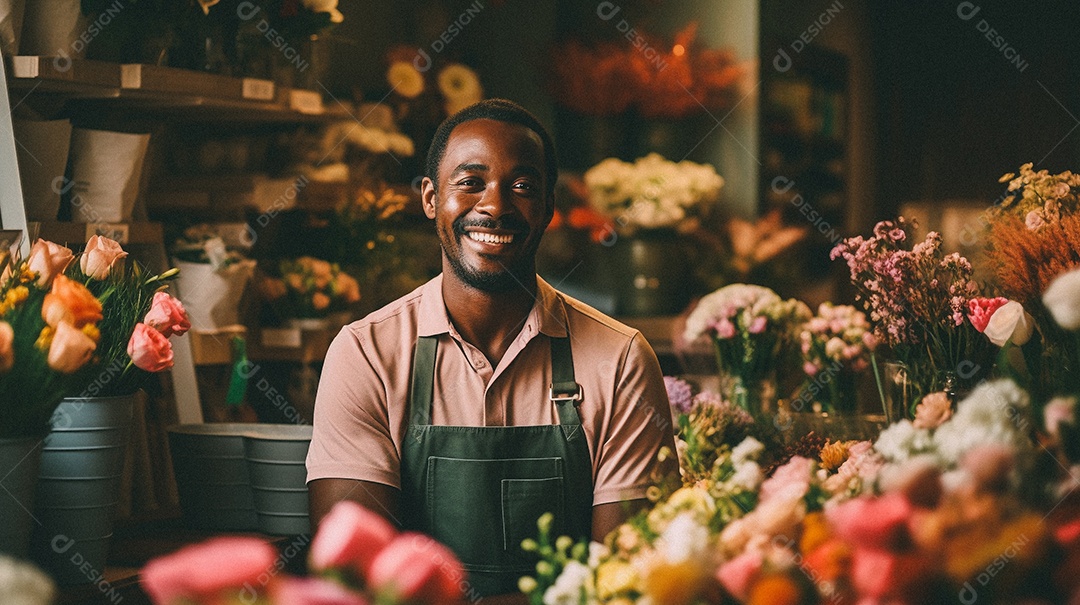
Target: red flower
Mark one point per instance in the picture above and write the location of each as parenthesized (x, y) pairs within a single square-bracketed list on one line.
[(202, 571), (350, 536), (313, 591), (416, 568), (981, 309)]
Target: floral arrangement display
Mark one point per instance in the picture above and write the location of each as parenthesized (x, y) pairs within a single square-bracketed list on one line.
[(357, 556), (652, 192), (836, 346), (138, 318), (923, 304), (1033, 237), (48, 331), (938, 513), (752, 329), (309, 288), (675, 80), (207, 244)]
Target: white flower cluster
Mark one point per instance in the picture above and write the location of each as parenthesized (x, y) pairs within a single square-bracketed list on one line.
[(745, 300), (996, 413), (652, 192)]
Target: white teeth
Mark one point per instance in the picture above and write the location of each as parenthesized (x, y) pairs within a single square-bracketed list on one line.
[(491, 238)]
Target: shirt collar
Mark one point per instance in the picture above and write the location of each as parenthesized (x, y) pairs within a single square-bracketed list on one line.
[(548, 313)]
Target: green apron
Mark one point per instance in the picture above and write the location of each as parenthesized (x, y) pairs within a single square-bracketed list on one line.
[(480, 490)]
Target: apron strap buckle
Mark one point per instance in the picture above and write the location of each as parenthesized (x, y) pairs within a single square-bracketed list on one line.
[(564, 392)]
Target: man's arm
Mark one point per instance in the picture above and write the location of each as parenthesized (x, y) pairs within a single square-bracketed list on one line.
[(323, 494), (606, 517)]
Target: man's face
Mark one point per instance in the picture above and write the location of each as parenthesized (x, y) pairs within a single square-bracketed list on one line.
[(491, 206)]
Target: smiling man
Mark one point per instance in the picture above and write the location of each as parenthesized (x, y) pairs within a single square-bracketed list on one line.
[(486, 398)]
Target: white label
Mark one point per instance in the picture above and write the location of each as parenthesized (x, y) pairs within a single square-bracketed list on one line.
[(306, 101), (287, 338), (131, 76), (25, 67), (114, 231), (260, 90)]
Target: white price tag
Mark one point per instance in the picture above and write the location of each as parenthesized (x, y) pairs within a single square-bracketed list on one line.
[(283, 338), (306, 101), (259, 90), (114, 231)]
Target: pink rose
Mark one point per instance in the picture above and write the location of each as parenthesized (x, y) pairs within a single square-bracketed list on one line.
[(7, 348), (416, 568), (981, 309), (737, 574), (350, 536), (100, 256), (149, 349), (757, 325), (167, 315), (872, 522), (809, 368), (880, 573), (313, 591), (48, 260), (724, 328), (932, 411), (793, 477), (70, 350), (201, 571), (1060, 410)]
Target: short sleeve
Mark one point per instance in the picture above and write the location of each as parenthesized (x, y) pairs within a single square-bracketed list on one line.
[(352, 437), (640, 426)]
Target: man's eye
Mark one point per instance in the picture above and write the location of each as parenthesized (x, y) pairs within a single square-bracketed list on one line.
[(469, 182), (527, 186)]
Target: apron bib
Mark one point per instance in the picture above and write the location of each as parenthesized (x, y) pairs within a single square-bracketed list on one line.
[(480, 490)]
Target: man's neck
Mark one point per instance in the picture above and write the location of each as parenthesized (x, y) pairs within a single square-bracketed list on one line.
[(488, 320)]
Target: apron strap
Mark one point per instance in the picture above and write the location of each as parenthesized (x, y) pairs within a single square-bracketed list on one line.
[(564, 391), (423, 381)]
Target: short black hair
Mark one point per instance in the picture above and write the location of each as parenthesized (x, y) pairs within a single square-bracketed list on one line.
[(500, 110)]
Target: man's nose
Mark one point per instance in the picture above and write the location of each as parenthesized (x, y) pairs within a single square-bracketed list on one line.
[(495, 202)]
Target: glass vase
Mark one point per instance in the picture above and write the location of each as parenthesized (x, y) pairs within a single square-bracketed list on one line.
[(754, 394), (897, 391)]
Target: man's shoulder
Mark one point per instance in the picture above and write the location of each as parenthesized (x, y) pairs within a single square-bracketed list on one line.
[(583, 317), (393, 316)]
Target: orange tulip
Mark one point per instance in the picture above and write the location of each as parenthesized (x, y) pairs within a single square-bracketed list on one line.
[(70, 302), (70, 349), (7, 350)]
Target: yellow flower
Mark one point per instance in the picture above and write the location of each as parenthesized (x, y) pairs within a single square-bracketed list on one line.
[(676, 583), (834, 454), (44, 339), (615, 577), (405, 79), (460, 85)]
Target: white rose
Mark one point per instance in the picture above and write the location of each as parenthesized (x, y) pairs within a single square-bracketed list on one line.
[(1010, 322), (1062, 298), (746, 450)]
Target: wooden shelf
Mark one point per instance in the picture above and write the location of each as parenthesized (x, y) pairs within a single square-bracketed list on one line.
[(168, 91), (76, 234)]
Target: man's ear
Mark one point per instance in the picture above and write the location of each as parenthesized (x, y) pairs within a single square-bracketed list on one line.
[(427, 196)]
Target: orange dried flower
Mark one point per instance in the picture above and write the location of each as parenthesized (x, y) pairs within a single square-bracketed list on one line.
[(1026, 261)]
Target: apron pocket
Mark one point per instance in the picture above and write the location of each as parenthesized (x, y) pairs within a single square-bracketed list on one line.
[(466, 510), (523, 502)]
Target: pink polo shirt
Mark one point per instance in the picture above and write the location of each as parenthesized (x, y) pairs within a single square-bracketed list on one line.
[(362, 405)]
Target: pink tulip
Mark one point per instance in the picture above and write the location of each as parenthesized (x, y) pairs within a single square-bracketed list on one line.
[(350, 536), (48, 260), (149, 349), (202, 571), (70, 349), (100, 256), (416, 568), (980, 310), (736, 574), (7, 349), (167, 315), (313, 591)]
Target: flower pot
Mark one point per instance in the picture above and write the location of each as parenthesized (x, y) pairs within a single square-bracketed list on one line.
[(106, 168), (212, 475), (647, 273), (19, 460), (53, 28), (82, 463), (43, 154), (212, 298), (276, 456)]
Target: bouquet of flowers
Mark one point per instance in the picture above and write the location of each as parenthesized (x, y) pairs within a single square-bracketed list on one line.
[(651, 193), (836, 345), (920, 303), (48, 331), (752, 329), (1034, 236), (138, 318), (357, 556), (309, 288)]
